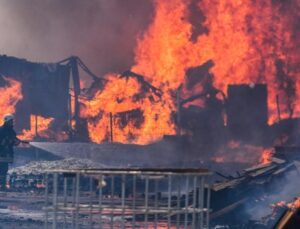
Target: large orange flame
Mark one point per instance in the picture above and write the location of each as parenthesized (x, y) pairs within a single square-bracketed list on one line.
[(266, 156), (10, 95), (248, 41), (121, 95), (40, 128)]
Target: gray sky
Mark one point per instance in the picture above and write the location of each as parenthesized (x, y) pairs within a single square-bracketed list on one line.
[(102, 32)]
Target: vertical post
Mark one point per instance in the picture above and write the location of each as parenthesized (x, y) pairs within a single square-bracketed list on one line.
[(100, 201), (156, 203), (194, 202), (65, 201), (112, 202), (46, 200), (111, 127), (178, 110), (36, 126), (55, 201), (133, 201), (77, 200), (186, 202), (91, 202), (169, 200), (178, 202), (70, 112), (208, 207), (76, 84), (73, 199), (123, 201), (146, 201), (278, 108), (201, 199)]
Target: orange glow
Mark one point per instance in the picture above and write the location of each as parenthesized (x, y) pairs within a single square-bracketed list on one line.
[(279, 204), (233, 144), (10, 95), (121, 95), (245, 40), (294, 205), (43, 130), (235, 151), (266, 156), (43, 125), (219, 159)]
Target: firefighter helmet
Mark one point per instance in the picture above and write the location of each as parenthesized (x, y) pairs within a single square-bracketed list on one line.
[(8, 117)]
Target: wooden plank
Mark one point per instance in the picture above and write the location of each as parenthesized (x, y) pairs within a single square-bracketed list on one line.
[(278, 160), (297, 165), (228, 208), (227, 184), (262, 171), (257, 167), (283, 169)]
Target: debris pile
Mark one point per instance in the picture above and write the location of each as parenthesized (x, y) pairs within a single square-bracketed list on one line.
[(233, 197), (39, 167)]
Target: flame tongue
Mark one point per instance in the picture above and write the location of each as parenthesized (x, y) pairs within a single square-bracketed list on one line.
[(248, 41), (10, 95), (42, 128), (126, 95)]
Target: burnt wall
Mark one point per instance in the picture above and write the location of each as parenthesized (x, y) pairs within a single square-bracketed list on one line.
[(247, 111), (45, 89)]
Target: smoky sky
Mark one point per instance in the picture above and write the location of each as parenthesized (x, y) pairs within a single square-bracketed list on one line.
[(102, 33)]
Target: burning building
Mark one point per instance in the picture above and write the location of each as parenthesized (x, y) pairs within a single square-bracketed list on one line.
[(211, 81), (38, 94)]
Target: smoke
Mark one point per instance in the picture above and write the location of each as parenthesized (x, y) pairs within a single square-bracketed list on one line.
[(102, 32), (285, 190)]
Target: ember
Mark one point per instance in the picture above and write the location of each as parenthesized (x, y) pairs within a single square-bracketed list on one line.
[(266, 156), (294, 205)]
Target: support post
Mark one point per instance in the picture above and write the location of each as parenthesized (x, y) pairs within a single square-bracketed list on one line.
[(70, 112), (278, 108), (111, 127), (36, 126), (76, 84), (178, 110)]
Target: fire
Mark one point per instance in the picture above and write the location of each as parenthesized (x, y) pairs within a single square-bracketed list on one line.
[(295, 204), (123, 95), (248, 41), (10, 95), (245, 40), (41, 130), (235, 151), (279, 204), (266, 156)]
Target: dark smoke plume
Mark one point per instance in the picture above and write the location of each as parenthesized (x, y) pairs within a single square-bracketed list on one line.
[(102, 32)]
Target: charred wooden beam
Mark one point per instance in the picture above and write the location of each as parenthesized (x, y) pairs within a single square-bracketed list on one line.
[(142, 81), (289, 220)]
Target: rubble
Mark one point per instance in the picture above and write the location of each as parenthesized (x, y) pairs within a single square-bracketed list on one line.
[(251, 187), (39, 167)]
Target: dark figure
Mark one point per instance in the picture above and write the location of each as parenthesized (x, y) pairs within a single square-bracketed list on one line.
[(8, 139)]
